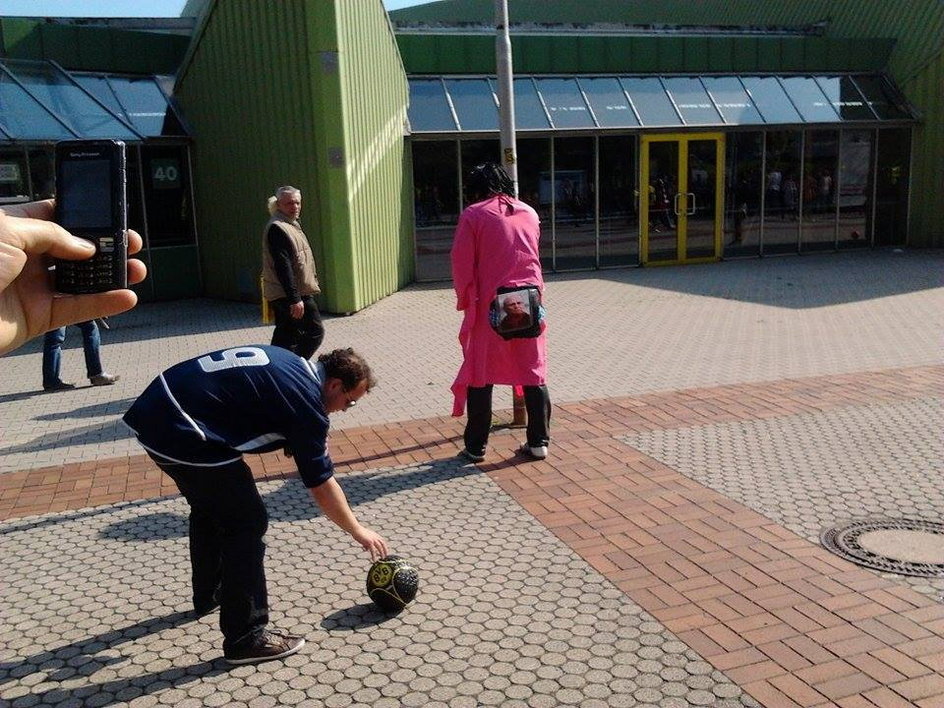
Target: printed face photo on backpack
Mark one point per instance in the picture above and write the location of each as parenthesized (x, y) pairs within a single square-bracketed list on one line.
[(515, 311)]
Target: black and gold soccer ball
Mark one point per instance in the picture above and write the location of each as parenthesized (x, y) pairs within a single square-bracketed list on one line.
[(392, 583)]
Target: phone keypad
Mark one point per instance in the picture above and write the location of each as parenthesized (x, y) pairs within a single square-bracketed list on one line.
[(97, 274)]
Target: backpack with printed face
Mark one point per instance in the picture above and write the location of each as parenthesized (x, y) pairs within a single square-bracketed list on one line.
[(517, 312)]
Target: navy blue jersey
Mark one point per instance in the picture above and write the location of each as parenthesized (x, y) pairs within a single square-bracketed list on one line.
[(209, 410)]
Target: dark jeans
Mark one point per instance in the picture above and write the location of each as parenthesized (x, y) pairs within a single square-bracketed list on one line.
[(302, 336), (52, 352), (227, 523), (537, 401)]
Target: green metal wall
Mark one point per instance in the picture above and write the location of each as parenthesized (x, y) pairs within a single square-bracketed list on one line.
[(904, 39), (92, 48), (274, 96), (472, 54)]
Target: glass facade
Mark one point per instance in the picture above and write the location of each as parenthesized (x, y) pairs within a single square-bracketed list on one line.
[(784, 191), (811, 162)]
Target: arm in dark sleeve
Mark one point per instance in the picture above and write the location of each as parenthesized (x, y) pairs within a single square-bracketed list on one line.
[(309, 443), (282, 256)]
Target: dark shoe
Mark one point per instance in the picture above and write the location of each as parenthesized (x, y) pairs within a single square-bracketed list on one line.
[(538, 452), (104, 379), (471, 456), (59, 386), (264, 647), (204, 607)]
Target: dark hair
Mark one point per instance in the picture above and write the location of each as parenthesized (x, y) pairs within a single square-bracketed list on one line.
[(486, 179), (349, 367)]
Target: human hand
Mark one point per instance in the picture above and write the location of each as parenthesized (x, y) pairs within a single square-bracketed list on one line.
[(371, 541), (28, 304), (297, 310)]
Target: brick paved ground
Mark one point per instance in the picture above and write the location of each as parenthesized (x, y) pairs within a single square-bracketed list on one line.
[(709, 422)]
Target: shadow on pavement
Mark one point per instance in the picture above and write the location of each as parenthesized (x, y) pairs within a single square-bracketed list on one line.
[(81, 658), (95, 433), (92, 411), (356, 617), (290, 501), (794, 282)]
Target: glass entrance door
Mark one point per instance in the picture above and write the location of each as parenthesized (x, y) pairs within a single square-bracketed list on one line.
[(685, 195)]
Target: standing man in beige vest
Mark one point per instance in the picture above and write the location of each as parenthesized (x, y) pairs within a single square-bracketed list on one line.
[(289, 279)]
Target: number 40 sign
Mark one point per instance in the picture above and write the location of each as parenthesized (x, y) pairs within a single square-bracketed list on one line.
[(165, 173)]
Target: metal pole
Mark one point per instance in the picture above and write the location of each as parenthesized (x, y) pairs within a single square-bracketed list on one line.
[(506, 97), (506, 119)]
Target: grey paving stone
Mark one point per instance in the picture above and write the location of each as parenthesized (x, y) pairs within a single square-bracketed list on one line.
[(142, 640)]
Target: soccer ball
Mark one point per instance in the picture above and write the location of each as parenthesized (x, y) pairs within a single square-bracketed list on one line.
[(392, 583)]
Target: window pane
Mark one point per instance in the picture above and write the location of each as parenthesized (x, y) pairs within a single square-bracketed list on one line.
[(608, 102), (809, 99), (436, 205), (474, 103), (54, 90), (428, 110), (820, 162), (781, 234), (534, 165), (771, 101), (891, 186), (692, 101), (845, 97), (743, 188), (24, 118), (573, 189), (855, 188), (143, 103), (564, 103), (882, 98), (651, 102), (14, 178), (735, 105), (619, 201), (529, 113), (167, 195)]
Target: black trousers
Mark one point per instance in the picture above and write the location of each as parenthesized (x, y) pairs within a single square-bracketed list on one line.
[(228, 520), (537, 401), (302, 336)]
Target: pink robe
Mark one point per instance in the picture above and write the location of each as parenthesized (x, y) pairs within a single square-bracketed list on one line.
[(496, 245)]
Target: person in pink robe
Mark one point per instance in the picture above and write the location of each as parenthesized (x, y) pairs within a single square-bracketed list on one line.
[(496, 245)]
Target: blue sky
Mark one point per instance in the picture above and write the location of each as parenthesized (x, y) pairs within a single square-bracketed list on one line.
[(120, 8)]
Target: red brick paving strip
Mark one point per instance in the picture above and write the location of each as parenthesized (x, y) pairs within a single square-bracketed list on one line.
[(791, 623)]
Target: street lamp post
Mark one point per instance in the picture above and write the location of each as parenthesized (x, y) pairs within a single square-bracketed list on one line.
[(506, 117)]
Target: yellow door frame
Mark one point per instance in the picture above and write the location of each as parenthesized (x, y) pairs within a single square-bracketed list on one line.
[(682, 217)]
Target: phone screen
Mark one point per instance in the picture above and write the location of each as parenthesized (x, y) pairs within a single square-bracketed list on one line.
[(85, 195)]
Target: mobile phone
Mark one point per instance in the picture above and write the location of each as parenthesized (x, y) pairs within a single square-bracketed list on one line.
[(91, 203)]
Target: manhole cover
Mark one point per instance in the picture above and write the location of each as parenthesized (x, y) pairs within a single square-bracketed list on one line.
[(903, 546)]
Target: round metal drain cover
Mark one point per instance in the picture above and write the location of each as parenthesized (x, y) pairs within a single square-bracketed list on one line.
[(903, 546)]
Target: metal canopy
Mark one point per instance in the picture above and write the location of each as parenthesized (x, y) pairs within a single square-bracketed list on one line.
[(41, 102), (467, 104)]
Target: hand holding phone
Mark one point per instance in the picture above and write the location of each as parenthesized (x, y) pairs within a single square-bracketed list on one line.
[(91, 203)]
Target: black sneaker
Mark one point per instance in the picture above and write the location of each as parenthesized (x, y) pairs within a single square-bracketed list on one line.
[(471, 456), (59, 386), (264, 647)]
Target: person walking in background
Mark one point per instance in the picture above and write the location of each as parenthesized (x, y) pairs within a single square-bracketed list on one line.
[(496, 246), (91, 344), (289, 277), (196, 419)]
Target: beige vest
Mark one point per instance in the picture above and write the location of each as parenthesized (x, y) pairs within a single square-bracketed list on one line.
[(303, 266)]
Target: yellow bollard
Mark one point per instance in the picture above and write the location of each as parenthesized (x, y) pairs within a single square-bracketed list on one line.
[(266, 310), (519, 412)]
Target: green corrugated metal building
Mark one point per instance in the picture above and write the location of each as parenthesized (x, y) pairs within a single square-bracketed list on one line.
[(309, 93)]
